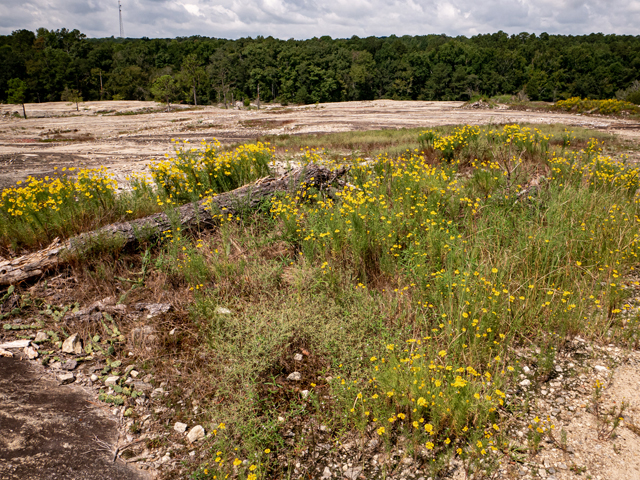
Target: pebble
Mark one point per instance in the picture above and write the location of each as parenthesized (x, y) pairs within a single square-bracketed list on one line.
[(180, 427), (223, 311), (66, 378), (134, 373), (195, 434), (94, 378), (69, 365), (304, 393), (111, 380), (30, 352), (72, 345), (298, 357), (40, 337), (295, 377), (525, 383), (600, 368)]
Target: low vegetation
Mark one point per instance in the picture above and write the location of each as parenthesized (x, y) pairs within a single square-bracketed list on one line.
[(399, 298)]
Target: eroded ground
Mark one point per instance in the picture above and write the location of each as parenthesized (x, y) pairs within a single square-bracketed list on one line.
[(127, 135), (54, 431)]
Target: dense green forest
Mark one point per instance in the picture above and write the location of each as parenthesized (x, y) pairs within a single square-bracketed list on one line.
[(50, 65)]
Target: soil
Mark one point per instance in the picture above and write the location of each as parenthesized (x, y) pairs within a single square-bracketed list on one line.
[(54, 431), (126, 135)]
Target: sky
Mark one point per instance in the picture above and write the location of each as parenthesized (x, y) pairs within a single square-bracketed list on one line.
[(302, 19)]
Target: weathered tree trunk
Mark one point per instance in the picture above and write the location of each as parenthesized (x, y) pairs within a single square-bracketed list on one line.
[(203, 214)]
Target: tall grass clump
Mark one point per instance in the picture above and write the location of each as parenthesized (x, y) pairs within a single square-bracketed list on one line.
[(37, 210), (194, 173), (604, 107)]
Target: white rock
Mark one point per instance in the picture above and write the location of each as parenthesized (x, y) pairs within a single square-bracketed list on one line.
[(41, 337), (600, 368), (94, 378), (110, 381), (16, 344), (525, 383), (5, 353), (223, 311), (297, 357), (65, 378), (526, 369), (180, 427), (30, 352), (72, 345), (295, 377), (134, 373), (326, 473), (304, 393), (353, 473), (195, 434)]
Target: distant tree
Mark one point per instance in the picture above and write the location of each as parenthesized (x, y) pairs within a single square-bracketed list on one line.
[(192, 73), (71, 95), (17, 93), (164, 88)]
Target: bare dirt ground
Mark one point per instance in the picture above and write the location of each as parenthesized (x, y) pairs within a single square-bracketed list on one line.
[(54, 431), (126, 135)]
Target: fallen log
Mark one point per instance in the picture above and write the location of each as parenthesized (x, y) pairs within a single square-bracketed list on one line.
[(202, 214)]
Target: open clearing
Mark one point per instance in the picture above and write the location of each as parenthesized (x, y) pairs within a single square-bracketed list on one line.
[(258, 332), (126, 135)]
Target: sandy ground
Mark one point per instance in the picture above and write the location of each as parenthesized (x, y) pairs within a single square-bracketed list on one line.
[(127, 135)]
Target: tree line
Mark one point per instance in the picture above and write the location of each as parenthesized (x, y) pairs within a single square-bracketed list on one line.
[(50, 65)]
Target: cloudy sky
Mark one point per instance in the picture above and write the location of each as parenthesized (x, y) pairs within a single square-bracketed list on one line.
[(309, 18)]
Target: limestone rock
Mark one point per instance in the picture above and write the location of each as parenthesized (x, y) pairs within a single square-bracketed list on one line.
[(195, 434), (72, 345), (180, 427), (41, 337), (66, 378)]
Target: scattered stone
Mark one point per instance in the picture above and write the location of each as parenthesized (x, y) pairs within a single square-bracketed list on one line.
[(94, 378), (143, 335), (157, 393), (5, 353), (16, 344), (180, 427), (110, 381), (69, 365), (195, 434), (600, 368), (525, 383), (326, 473), (562, 466), (297, 357), (30, 352), (72, 345), (353, 473), (304, 393), (134, 373), (142, 386), (153, 309), (294, 377), (41, 337), (66, 378), (223, 311)]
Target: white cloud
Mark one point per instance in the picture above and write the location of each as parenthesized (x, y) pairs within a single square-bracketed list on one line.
[(309, 18)]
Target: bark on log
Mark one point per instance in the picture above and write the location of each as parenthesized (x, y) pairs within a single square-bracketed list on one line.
[(200, 214)]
